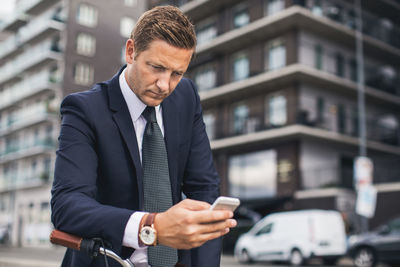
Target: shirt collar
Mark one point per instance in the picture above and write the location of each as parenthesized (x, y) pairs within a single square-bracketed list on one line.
[(135, 105)]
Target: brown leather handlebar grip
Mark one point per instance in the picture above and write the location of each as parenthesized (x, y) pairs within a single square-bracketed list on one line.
[(67, 240)]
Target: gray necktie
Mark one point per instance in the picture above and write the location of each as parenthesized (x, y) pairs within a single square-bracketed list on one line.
[(156, 184)]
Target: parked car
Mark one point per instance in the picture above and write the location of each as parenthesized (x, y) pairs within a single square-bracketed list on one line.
[(380, 245), (294, 237)]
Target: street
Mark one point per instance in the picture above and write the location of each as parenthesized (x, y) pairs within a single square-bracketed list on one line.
[(34, 257)]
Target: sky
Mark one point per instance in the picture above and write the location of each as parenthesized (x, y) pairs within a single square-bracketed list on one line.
[(6, 6)]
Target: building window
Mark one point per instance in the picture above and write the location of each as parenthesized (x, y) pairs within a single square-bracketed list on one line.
[(85, 44), (126, 26), (339, 65), (316, 8), (320, 110), (274, 6), (253, 175), (240, 118), (83, 74), (131, 3), (206, 77), (341, 119), (276, 55), (206, 30), (240, 16), (318, 56), (209, 121), (87, 15), (277, 114), (241, 66), (353, 70)]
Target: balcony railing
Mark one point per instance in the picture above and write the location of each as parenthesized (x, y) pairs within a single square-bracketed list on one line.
[(30, 86), (13, 152), (14, 182), (31, 58), (27, 116)]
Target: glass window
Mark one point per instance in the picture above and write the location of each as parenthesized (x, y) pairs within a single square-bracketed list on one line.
[(318, 56), (276, 55), (341, 119), (274, 6), (87, 15), (131, 2), (253, 175), (277, 110), (206, 30), (206, 77), (240, 16), (265, 230), (241, 67), (85, 44), (353, 70), (339, 65), (83, 73), (126, 26), (320, 110), (209, 121), (316, 8), (240, 117)]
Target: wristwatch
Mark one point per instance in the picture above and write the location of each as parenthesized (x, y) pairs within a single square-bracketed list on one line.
[(147, 233)]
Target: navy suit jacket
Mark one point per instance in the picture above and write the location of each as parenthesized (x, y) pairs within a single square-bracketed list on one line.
[(98, 180)]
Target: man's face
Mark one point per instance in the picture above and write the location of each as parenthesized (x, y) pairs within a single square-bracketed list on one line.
[(154, 73)]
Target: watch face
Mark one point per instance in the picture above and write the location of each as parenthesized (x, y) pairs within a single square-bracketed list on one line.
[(147, 235)]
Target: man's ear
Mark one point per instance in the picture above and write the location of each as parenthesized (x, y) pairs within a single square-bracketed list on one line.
[(130, 51)]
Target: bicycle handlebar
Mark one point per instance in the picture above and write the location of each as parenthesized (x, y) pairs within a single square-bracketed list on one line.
[(90, 246)]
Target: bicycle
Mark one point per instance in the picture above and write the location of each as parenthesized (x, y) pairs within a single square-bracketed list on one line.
[(93, 247)]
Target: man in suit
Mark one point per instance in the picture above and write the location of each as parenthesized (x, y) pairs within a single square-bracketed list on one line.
[(101, 172)]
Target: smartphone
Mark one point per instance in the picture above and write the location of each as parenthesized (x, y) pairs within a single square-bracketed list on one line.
[(225, 203)]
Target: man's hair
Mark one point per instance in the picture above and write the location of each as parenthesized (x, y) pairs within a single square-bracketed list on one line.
[(165, 23)]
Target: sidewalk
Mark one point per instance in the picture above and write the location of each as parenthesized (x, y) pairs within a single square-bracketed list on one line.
[(32, 257)]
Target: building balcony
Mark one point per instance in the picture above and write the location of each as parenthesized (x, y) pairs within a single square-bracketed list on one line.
[(35, 85), (254, 131), (295, 17), (288, 75), (17, 21), (38, 147), (9, 48), (39, 29), (33, 58), (14, 182), (28, 117), (34, 7)]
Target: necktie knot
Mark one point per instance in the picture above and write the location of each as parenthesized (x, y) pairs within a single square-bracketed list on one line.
[(150, 114)]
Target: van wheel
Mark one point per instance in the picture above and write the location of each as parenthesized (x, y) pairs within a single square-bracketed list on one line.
[(364, 257), (296, 258), (244, 257)]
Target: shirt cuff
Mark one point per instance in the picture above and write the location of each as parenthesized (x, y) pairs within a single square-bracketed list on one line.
[(131, 235)]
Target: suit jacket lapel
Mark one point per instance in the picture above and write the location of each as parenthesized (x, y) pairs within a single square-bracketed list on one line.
[(171, 132), (124, 122)]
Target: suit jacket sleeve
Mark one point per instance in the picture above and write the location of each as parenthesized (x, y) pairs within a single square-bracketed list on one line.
[(74, 205), (201, 182)]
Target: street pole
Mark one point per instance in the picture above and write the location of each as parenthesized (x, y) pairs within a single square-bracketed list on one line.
[(361, 95)]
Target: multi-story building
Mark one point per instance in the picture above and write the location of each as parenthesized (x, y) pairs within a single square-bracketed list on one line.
[(53, 48), (278, 85)]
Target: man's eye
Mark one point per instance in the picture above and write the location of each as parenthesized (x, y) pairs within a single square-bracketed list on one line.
[(159, 68)]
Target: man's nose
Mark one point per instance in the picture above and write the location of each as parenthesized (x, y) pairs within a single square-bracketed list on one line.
[(163, 82)]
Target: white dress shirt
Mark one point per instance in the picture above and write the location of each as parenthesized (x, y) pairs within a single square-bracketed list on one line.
[(136, 107)]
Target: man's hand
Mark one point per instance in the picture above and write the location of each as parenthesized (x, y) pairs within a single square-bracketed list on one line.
[(190, 224)]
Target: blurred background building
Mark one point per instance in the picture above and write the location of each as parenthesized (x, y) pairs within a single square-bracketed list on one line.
[(49, 49), (277, 81)]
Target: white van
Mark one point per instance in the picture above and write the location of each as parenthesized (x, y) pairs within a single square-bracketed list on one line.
[(295, 237)]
